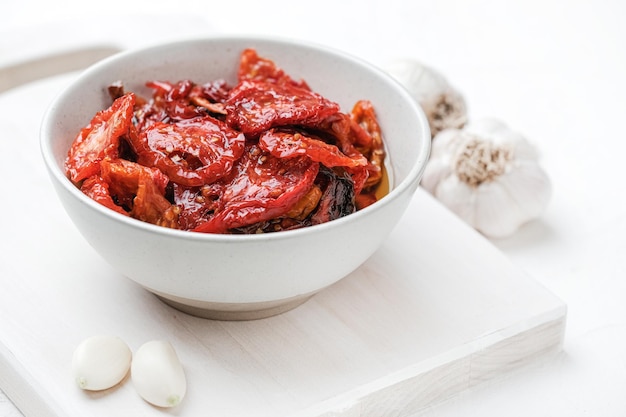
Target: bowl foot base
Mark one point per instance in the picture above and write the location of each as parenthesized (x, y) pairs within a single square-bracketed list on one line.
[(233, 311)]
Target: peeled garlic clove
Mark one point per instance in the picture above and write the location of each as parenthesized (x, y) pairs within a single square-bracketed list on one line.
[(158, 375), (442, 104), (100, 362)]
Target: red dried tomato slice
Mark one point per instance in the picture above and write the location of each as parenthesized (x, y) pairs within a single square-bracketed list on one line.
[(191, 203), (99, 139), (196, 203), (253, 107), (288, 143), (141, 190), (98, 189), (123, 176), (261, 187), (349, 135), (338, 197), (175, 97), (180, 101), (252, 67), (191, 152), (364, 116)]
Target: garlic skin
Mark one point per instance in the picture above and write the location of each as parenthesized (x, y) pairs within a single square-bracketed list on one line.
[(489, 176), (100, 362), (442, 104), (158, 375)]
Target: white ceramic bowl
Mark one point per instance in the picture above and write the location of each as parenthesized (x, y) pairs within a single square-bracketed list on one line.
[(239, 276)]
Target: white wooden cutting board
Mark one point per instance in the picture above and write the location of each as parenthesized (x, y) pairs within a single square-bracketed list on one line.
[(435, 311)]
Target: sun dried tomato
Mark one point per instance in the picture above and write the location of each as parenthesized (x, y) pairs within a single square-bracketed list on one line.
[(98, 190), (252, 67), (99, 139), (288, 143), (260, 188), (196, 204), (176, 101), (191, 152), (338, 198), (363, 115), (180, 101), (331, 197), (124, 176), (140, 190), (353, 141), (191, 204), (150, 206), (211, 96), (254, 107)]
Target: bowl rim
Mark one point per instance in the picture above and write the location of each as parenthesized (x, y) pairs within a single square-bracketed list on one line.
[(394, 193)]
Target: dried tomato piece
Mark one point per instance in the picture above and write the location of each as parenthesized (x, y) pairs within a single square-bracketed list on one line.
[(288, 143), (305, 206), (99, 139), (341, 128), (252, 67), (140, 189), (254, 107), (331, 197), (215, 91), (260, 188), (191, 152), (211, 96), (363, 115), (338, 198), (196, 203), (152, 207), (177, 103), (98, 189), (124, 176), (170, 102), (348, 135)]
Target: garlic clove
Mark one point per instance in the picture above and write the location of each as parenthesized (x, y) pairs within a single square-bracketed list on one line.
[(502, 206), (100, 362), (435, 172), (497, 215), (442, 104), (158, 375), (458, 197), (440, 164), (447, 143), (530, 189)]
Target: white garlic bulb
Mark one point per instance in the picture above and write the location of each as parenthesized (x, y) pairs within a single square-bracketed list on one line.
[(442, 104), (158, 375), (489, 176), (100, 362)]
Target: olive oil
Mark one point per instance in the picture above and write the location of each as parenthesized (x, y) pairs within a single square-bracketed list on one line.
[(385, 184)]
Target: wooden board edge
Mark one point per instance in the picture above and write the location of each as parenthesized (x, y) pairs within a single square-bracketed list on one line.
[(432, 385), (22, 389)]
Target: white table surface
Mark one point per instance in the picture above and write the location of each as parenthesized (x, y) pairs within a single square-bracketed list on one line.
[(553, 70)]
